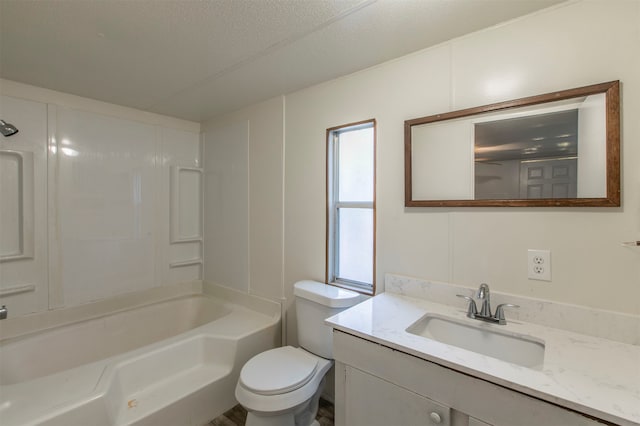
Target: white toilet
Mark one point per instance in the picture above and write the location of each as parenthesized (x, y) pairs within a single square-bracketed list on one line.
[(282, 386)]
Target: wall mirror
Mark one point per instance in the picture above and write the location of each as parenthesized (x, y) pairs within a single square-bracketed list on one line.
[(556, 149)]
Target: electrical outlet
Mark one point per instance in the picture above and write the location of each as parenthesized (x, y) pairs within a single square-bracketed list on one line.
[(539, 265)]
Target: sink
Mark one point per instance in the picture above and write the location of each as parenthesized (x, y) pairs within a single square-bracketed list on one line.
[(483, 339)]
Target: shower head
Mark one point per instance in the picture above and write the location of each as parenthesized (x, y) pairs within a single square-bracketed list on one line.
[(7, 129)]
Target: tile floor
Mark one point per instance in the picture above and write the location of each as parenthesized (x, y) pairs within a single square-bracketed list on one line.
[(238, 415)]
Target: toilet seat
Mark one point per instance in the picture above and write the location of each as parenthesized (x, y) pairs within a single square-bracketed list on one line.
[(276, 403), (278, 371)]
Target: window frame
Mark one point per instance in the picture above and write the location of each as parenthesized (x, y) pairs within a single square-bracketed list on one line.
[(334, 205)]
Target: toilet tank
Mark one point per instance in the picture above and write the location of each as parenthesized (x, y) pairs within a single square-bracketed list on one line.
[(316, 302)]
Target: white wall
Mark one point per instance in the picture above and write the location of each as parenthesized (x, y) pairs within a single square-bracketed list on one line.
[(226, 206), (101, 200), (243, 156), (575, 44)]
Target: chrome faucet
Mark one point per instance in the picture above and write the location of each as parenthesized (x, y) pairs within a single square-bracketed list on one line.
[(484, 295), (3, 312)]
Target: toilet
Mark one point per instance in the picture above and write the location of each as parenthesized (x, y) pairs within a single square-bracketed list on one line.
[(282, 386)]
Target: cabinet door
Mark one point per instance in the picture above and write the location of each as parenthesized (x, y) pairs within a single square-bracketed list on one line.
[(375, 402)]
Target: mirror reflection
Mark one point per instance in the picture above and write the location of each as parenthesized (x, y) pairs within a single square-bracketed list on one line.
[(555, 149)]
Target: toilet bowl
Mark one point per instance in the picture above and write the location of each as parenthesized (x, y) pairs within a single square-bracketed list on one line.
[(282, 386)]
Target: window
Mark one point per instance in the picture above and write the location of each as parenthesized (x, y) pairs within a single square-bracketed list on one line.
[(351, 206)]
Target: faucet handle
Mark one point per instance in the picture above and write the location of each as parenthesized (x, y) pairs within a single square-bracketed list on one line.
[(472, 310), (499, 315)]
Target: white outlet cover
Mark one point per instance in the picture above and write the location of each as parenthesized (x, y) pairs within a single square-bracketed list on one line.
[(539, 265)]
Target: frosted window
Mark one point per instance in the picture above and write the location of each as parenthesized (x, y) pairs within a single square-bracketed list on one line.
[(355, 165), (351, 206), (355, 246)]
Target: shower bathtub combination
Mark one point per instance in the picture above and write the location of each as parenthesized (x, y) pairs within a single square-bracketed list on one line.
[(173, 361)]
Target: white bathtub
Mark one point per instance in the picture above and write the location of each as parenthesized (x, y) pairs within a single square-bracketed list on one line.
[(173, 362)]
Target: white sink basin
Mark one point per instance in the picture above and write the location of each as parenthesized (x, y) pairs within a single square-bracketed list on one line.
[(483, 339)]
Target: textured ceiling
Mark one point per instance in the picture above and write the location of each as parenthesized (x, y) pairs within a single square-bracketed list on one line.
[(197, 59)]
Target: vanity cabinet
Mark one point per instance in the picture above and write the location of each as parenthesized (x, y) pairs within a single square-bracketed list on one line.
[(377, 385)]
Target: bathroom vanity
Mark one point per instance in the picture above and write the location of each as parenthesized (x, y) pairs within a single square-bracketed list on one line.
[(391, 371), (383, 386)]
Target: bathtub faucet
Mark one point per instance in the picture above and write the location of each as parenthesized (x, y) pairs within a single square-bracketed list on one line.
[(3, 312)]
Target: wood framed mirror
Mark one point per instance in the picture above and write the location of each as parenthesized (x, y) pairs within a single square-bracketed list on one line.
[(560, 149)]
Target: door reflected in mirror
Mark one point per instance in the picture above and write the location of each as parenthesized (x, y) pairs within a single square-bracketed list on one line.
[(558, 149)]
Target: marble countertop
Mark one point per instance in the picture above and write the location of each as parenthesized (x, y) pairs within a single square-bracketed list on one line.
[(592, 375)]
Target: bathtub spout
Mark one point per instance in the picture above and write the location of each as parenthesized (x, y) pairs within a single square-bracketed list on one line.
[(3, 312)]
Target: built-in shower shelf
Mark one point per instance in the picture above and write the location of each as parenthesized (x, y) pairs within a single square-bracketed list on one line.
[(186, 204), (17, 289), (17, 213), (185, 218), (187, 240), (185, 263)]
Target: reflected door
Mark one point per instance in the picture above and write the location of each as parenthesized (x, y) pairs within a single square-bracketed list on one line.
[(549, 179)]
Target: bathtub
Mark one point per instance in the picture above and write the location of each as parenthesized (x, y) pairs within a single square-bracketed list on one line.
[(171, 362)]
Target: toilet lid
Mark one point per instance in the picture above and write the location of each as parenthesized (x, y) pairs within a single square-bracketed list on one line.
[(278, 371)]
